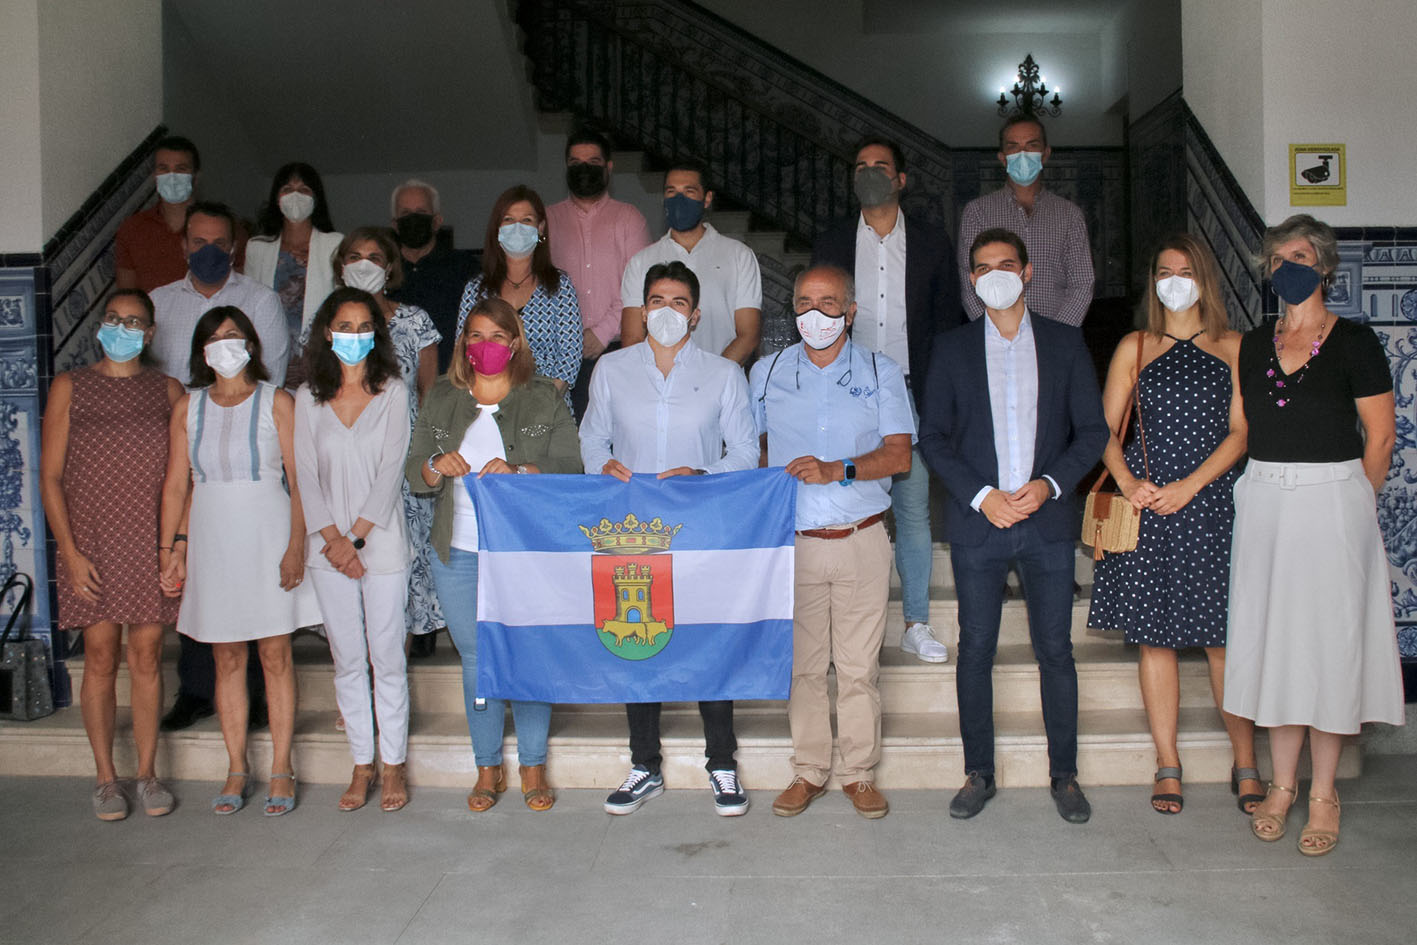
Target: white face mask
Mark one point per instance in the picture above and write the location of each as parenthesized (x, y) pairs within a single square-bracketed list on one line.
[(999, 289), (296, 206), (228, 357), (667, 326), (365, 274), (1177, 293), (818, 329)]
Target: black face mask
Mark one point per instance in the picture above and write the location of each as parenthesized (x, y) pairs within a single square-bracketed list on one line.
[(414, 229), (585, 180)]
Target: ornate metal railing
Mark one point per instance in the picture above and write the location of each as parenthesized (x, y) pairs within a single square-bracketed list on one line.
[(682, 82)]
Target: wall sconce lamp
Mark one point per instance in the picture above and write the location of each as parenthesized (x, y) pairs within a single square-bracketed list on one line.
[(1030, 93)]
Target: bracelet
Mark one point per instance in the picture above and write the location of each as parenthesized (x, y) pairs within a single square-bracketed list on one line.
[(430, 464), (178, 537), (164, 547), (521, 468)]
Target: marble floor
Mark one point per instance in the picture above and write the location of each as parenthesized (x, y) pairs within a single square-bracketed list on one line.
[(675, 873)]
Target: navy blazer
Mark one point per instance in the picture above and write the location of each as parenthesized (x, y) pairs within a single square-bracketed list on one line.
[(932, 301), (957, 426)]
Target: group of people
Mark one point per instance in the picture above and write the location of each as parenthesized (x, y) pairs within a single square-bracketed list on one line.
[(412, 371)]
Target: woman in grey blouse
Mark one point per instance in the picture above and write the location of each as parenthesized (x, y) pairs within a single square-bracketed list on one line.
[(351, 438)]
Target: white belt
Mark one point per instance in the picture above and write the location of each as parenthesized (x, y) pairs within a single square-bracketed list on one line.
[(1293, 475)]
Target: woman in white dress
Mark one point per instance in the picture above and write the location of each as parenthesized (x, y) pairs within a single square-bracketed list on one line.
[(351, 440), (240, 576)]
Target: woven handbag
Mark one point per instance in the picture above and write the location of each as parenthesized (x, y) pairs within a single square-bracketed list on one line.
[(1109, 521), (25, 691)]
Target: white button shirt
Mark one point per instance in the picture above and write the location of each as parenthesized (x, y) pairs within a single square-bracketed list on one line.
[(1012, 366), (698, 416), (179, 306), (880, 291)]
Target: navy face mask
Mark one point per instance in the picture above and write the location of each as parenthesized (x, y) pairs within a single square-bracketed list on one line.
[(1293, 282), (683, 213), (210, 264)]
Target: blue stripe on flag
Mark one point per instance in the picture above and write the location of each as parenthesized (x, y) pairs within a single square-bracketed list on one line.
[(700, 662), (541, 513)]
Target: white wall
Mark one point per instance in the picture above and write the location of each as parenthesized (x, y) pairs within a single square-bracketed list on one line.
[(943, 80), (21, 206), (1223, 83), (1147, 38), (100, 94)]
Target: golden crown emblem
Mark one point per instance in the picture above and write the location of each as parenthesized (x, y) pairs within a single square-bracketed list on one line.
[(630, 537)]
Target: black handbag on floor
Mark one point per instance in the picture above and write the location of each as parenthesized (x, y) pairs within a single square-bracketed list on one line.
[(25, 691)]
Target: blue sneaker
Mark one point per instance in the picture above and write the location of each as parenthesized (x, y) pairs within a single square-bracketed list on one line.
[(640, 786), (729, 798)]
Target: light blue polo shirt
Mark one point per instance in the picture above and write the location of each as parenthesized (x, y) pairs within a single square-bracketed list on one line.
[(838, 412)]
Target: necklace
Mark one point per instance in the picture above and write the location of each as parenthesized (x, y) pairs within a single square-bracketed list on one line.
[(518, 284), (1281, 394)]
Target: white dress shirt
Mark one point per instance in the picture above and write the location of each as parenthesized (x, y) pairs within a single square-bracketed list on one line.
[(880, 291), (179, 306), (698, 416), (1012, 365)]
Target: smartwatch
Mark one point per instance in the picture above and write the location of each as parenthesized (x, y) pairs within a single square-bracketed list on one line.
[(849, 473)]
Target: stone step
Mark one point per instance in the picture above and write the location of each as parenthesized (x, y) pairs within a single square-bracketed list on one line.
[(588, 749), (942, 569)]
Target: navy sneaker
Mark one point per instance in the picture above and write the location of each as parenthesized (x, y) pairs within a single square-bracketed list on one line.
[(729, 798), (640, 786)]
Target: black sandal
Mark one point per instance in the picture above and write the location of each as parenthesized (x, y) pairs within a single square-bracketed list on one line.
[(1245, 774), (1161, 775)]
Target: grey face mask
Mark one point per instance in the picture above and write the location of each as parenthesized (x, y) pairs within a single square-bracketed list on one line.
[(874, 186)]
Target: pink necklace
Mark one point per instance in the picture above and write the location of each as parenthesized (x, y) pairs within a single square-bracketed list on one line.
[(1281, 394)]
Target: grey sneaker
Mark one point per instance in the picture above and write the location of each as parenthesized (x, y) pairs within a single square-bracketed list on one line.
[(154, 797), (920, 641), (109, 801)]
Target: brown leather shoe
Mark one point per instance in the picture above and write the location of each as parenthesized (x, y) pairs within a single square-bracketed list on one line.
[(869, 802), (491, 781), (798, 795)]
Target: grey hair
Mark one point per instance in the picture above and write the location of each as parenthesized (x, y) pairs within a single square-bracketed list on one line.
[(1319, 234), (413, 182), (837, 271)]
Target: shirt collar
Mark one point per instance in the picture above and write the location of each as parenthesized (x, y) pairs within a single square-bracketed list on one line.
[(863, 227), (191, 287), (992, 333)]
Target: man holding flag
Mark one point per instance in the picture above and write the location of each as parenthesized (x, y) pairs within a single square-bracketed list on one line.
[(838, 418), (668, 408)]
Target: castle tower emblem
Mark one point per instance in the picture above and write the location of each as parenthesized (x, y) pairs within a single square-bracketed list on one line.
[(632, 576)]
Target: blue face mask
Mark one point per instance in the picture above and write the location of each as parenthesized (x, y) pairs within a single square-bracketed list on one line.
[(682, 212), (351, 348), (1294, 282), (121, 344), (518, 239), (1024, 166), (174, 187), (210, 264)]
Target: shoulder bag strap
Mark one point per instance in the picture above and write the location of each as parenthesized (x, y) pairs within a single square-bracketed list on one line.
[(21, 580), (1134, 400)]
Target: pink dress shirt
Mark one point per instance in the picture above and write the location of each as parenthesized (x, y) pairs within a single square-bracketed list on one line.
[(592, 247)]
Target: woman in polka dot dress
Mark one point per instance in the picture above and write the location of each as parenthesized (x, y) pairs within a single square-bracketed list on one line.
[(1170, 593)]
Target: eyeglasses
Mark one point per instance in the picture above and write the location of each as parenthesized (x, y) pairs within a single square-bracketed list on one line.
[(132, 322)]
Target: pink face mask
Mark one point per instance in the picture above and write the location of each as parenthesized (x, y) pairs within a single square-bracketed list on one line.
[(488, 357)]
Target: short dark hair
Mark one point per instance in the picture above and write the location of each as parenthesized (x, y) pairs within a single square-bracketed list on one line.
[(1023, 120), (211, 208), (676, 271), (999, 235), (322, 366), (179, 143), (199, 370), (588, 136), (694, 166), (146, 355), (897, 155)]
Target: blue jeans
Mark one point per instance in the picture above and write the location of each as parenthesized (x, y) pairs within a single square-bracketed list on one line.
[(914, 548), (456, 583), (1046, 570)]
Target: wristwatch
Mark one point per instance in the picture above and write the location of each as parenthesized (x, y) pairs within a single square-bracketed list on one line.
[(358, 543), (848, 472)]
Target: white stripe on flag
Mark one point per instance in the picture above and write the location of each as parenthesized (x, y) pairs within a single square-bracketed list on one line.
[(531, 588)]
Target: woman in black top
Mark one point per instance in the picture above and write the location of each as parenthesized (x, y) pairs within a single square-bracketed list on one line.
[(1312, 646)]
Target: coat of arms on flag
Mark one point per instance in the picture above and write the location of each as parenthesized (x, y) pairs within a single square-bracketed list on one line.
[(594, 590)]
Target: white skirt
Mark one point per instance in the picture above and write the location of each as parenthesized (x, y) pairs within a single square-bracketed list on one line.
[(239, 532), (1311, 639)]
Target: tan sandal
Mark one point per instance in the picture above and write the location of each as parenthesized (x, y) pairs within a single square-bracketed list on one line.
[(1269, 827), (535, 791), (491, 781), (1314, 842), (394, 795), (357, 794)]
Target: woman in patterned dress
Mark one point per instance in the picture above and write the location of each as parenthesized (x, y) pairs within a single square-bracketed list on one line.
[(516, 267), (369, 259), (101, 471), (1188, 433)]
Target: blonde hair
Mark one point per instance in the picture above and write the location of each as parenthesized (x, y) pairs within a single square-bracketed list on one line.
[(1214, 317), (519, 369)]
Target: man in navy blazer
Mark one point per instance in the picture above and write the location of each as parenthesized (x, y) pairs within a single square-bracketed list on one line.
[(1012, 421), (907, 292)]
